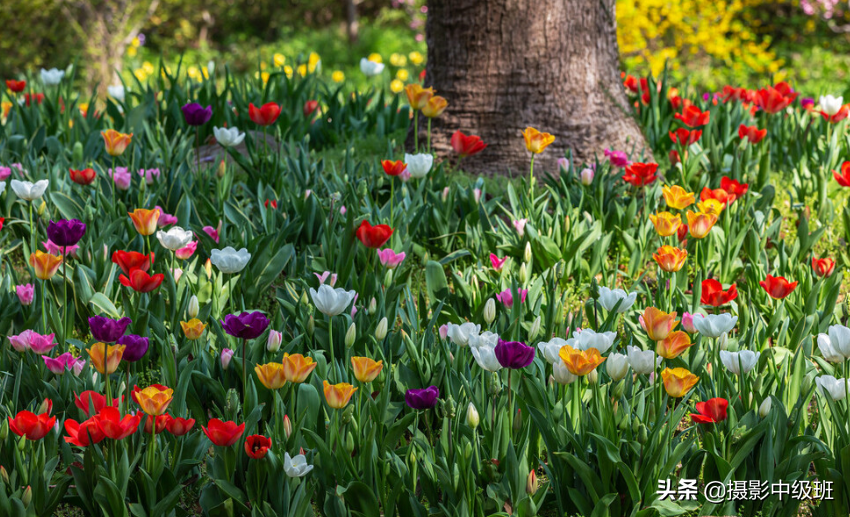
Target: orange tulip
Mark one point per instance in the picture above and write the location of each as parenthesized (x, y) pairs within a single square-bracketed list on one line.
[(145, 220), (153, 400), (700, 223), (116, 142), (673, 345), (670, 259), (106, 358), (677, 197), (535, 141), (666, 224), (271, 375), (678, 381), (193, 328), (44, 264), (418, 96), (296, 367), (657, 323), (580, 362), (365, 369), (338, 395), (435, 107)]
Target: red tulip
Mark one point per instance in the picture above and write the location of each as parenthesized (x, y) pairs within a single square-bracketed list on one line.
[(843, 178), (712, 411), (2, 220), (84, 433), (373, 236), (674, 158), (714, 295), (823, 267), (683, 136), (719, 194), (38, 97), (682, 232), (83, 176), (777, 286), (140, 281), (112, 425), (130, 260), (775, 99), (838, 117), (257, 445), (631, 83), (265, 115), (93, 399), (273, 202), (161, 422), (179, 426), (467, 145), (640, 174), (310, 107), (16, 86), (732, 187), (692, 116), (223, 434), (34, 427), (393, 168), (753, 134)]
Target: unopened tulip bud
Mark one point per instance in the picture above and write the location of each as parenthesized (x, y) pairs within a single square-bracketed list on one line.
[(388, 277), (535, 329), (45, 406), (287, 426), (349, 443), (226, 356), (22, 443), (445, 193), (490, 311), (642, 435), (593, 377), (208, 269), (587, 176), (472, 417), (4, 430), (311, 325), (42, 207), (518, 420), (467, 451), (531, 483), (523, 274), (350, 335), (723, 341), (764, 408), (304, 300), (373, 305), (77, 152), (381, 330), (194, 307), (4, 475), (527, 256), (619, 389), (222, 169), (26, 498), (274, 341)]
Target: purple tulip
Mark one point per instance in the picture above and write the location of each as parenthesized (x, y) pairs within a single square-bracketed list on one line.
[(248, 325), (108, 330), (66, 361), (66, 232), (135, 347), (196, 115), (422, 399), (513, 354)]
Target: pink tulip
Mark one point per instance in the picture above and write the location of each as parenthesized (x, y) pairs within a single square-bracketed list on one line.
[(519, 225), (213, 232), (617, 158), (26, 293), (307, 193), (177, 272), (188, 251), (121, 177), (165, 219), (688, 323), (59, 250), (5, 172), (476, 192), (342, 210), (322, 277), (149, 175), (31, 340), (226, 356), (497, 262), (444, 331), (563, 164), (389, 258), (508, 299), (66, 361), (445, 193)]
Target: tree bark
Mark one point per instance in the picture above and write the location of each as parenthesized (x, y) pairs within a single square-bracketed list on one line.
[(507, 64)]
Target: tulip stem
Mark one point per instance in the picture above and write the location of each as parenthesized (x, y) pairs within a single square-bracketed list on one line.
[(531, 182), (152, 445), (244, 377), (392, 199), (331, 344), (114, 189), (416, 131), (150, 250), (43, 311), (32, 232), (429, 138)]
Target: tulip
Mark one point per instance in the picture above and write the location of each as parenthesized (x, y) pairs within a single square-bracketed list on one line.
[(370, 68), (642, 361), (65, 233), (700, 223), (31, 340), (657, 324), (153, 400), (830, 105), (16, 86), (83, 176), (229, 260), (466, 145), (562, 374), (617, 158), (389, 258), (666, 224), (381, 329), (550, 350), (670, 259), (580, 362), (609, 298), (296, 467), (193, 329), (460, 334), (836, 343), (247, 325), (720, 195), (764, 408), (418, 165), (195, 114), (91, 402), (45, 265), (187, 251), (271, 375), (585, 339), (739, 362), (213, 232), (257, 446), (673, 345), (677, 197), (777, 287), (733, 188), (140, 281), (135, 347), (422, 399), (25, 293), (179, 426), (837, 388), (63, 362), (116, 142), (106, 358), (297, 367), (223, 434), (640, 174), (684, 137), (121, 177), (116, 92), (823, 267), (145, 220), (435, 106), (338, 395), (130, 260), (274, 341), (513, 354), (156, 424), (490, 311), (228, 136), (84, 433), (52, 77), (393, 168), (330, 301), (714, 295), (29, 191), (692, 116), (33, 427), (113, 426), (753, 134), (108, 330), (714, 325), (366, 369), (472, 417), (617, 366), (417, 96), (507, 298), (175, 238), (497, 262), (531, 483), (265, 115), (712, 411), (226, 356), (678, 381), (373, 236), (843, 178)]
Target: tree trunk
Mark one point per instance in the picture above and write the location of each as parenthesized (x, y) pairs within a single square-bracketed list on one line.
[(507, 64)]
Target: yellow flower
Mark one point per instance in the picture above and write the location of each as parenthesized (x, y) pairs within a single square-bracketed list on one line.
[(375, 57), (140, 74), (677, 197), (106, 358), (193, 328), (666, 224), (145, 220), (711, 206), (580, 362), (44, 264), (417, 96), (147, 66), (678, 381), (116, 142), (302, 70), (673, 345), (657, 323), (286, 70), (670, 259), (338, 76), (402, 75), (132, 51), (396, 86), (338, 395), (271, 375), (6, 106), (313, 62), (279, 60), (435, 106), (154, 401), (700, 223), (535, 141), (296, 367), (416, 58), (366, 369)]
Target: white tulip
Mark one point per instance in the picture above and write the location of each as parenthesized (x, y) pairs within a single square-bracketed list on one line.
[(837, 388), (828, 351), (472, 417), (562, 374), (29, 191), (551, 350), (739, 362), (487, 338), (330, 301), (296, 467), (116, 92), (584, 339), (642, 361), (370, 68), (229, 260), (175, 238), (831, 105), (617, 366), (2, 187), (228, 136), (764, 408), (485, 356), (52, 77), (418, 165), (839, 339), (714, 325), (609, 298), (459, 334), (489, 310)]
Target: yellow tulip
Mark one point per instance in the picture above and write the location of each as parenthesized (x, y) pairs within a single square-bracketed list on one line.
[(418, 96), (666, 224), (145, 220), (338, 395), (677, 197), (670, 259), (106, 358), (673, 345), (678, 381), (366, 369), (580, 362), (154, 401), (116, 142), (700, 223), (535, 141), (711, 206), (193, 328), (44, 264), (435, 106), (296, 367), (657, 323), (271, 375)]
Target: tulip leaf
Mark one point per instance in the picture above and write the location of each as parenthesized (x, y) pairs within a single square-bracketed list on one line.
[(100, 301)]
